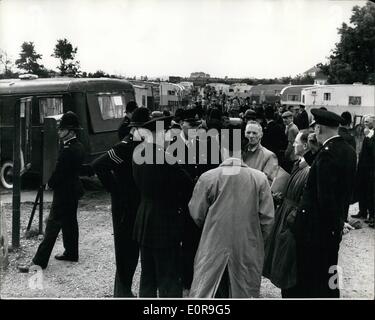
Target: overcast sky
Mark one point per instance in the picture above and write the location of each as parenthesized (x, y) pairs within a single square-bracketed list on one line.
[(234, 38)]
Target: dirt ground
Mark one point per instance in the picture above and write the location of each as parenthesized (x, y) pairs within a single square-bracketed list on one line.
[(93, 275)]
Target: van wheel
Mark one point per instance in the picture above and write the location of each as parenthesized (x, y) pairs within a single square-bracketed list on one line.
[(6, 175)]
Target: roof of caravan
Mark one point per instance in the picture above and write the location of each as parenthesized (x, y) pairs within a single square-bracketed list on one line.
[(45, 85), (327, 86), (295, 88), (267, 88)]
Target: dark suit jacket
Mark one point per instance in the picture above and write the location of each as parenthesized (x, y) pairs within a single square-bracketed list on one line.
[(274, 138), (327, 195), (164, 189), (344, 132), (366, 173), (302, 120)]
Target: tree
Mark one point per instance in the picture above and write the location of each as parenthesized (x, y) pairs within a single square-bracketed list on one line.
[(7, 66), (353, 58), (28, 60), (302, 79), (98, 74), (65, 52)]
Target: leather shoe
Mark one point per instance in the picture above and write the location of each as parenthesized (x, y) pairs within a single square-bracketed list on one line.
[(64, 257), (25, 268)]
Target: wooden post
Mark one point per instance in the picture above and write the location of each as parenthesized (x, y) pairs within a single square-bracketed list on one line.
[(16, 201)]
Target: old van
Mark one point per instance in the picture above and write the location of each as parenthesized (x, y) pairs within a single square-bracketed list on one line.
[(99, 103)]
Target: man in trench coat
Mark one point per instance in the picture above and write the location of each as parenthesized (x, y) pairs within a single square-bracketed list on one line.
[(234, 207)]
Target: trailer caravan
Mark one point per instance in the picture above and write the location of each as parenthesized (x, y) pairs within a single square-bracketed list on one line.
[(292, 95), (99, 104), (241, 90), (358, 99), (141, 93), (219, 87), (153, 93), (171, 95), (266, 93)]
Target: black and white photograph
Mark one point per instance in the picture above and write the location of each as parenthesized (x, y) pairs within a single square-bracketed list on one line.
[(159, 150)]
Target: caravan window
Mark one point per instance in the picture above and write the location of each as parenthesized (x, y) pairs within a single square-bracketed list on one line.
[(293, 97), (112, 106), (50, 106), (354, 101), (327, 96)]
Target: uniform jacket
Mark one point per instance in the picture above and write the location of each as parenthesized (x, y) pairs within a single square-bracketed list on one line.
[(344, 132), (115, 171), (261, 159), (327, 195), (197, 159), (164, 189), (65, 181), (234, 207)]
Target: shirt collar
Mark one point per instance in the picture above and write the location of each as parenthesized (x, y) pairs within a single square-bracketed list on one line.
[(253, 149), (370, 133), (233, 162)]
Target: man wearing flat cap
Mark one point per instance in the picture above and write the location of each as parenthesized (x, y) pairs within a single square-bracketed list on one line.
[(320, 220), (291, 131)]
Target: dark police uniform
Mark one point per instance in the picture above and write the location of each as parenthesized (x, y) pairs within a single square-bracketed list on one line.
[(114, 170), (67, 190), (320, 221), (164, 190)]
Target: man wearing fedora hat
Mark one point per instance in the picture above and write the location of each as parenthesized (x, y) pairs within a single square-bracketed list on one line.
[(323, 209), (114, 170), (67, 190)]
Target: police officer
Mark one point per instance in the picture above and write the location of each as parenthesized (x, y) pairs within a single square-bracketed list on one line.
[(164, 188), (67, 190), (320, 221), (114, 170)]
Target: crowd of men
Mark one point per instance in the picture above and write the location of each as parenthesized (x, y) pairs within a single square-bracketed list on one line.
[(211, 202)]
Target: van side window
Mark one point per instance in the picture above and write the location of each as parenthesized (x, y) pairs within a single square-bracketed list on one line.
[(112, 106), (50, 106)]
